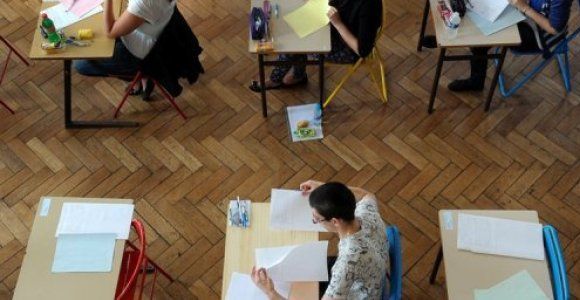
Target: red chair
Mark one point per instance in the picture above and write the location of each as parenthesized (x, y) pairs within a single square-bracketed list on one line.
[(165, 93), (135, 266), (11, 50)]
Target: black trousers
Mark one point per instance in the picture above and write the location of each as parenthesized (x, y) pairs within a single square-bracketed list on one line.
[(323, 285), (529, 44)]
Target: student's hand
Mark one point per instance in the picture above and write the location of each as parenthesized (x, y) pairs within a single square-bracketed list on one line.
[(309, 186), (334, 16), (519, 4), (262, 281)]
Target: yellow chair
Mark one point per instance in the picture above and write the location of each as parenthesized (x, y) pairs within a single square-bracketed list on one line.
[(374, 65)]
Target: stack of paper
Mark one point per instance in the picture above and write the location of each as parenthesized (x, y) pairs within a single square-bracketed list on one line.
[(243, 288), (308, 18), (63, 18), (489, 9), (500, 236), (80, 7), (86, 235), (520, 286), (509, 17), (305, 262), (289, 210)]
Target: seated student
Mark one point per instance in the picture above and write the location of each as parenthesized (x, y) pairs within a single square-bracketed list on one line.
[(353, 213), (353, 32), (551, 16), (136, 32)]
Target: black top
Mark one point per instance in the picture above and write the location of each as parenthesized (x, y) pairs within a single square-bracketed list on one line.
[(363, 18)]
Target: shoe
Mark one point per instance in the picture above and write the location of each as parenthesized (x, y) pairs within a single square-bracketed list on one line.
[(150, 85), (255, 87), (429, 41), (135, 91), (302, 81), (463, 85)]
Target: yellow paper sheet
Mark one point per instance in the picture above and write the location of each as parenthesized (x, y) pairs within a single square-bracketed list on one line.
[(309, 17)]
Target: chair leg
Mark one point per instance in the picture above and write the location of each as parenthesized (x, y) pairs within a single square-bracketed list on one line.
[(342, 81), (170, 99), (127, 92), (5, 66), (378, 79), (436, 266), (564, 66)]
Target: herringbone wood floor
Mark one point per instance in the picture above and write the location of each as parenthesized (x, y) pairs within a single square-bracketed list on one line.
[(524, 154)]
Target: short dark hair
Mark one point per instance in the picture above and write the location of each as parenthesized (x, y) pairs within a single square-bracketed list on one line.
[(333, 200)]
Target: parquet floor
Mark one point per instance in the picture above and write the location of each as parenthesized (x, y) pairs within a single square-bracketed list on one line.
[(524, 154)]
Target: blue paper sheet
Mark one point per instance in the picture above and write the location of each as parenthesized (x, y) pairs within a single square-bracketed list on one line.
[(84, 253), (508, 17)]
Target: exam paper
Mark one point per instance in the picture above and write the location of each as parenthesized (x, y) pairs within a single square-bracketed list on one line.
[(308, 18), (62, 18), (289, 210), (306, 262), (243, 288), (95, 218), (500, 236), (84, 253), (520, 286), (489, 9), (80, 7), (509, 17)]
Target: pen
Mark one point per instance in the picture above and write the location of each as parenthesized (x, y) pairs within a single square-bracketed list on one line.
[(71, 5)]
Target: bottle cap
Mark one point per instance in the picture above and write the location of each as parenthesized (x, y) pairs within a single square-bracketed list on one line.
[(43, 15), (455, 19)]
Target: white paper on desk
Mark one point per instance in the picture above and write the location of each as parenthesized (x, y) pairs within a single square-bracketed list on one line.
[(84, 253), (303, 112), (306, 262), (509, 17), (500, 236), (289, 210), (95, 218), (62, 18), (488, 9), (243, 288)]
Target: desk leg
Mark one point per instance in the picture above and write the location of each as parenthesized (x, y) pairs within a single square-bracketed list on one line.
[(321, 77), (436, 266), (423, 26), (69, 123), (495, 78), (262, 84), (436, 80), (67, 94)]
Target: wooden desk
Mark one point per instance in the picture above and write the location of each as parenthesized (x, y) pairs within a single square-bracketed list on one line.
[(241, 245), (468, 35), (101, 47), (286, 41), (466, 271), (36, 281)]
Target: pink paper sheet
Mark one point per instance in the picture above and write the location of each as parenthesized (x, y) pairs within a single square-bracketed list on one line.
[(80, 7)]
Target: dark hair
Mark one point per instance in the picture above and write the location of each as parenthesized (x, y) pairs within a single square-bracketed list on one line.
[(333, 200)]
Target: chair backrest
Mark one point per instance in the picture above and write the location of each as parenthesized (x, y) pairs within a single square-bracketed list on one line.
[(132, 265), (555, 258), (395, 275)]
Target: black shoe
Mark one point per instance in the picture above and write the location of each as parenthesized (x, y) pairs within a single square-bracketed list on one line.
[(429, 41), (462, 85), (146, 96)]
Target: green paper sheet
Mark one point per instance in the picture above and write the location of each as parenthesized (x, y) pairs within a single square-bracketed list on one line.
[(309, 17), (520, 286)]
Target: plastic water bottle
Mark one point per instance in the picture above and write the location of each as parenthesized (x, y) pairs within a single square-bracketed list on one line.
[(48, 26), (318, 114)]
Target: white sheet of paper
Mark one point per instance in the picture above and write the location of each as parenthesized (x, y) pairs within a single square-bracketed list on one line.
[(95, 218), (306, 262), (489, 9), (243, 288), (508, 17), (500, 236), (289, 210), (62, 18), (84, 253), (299, 113)]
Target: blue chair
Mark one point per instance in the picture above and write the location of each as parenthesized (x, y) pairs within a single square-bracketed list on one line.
[(556, 264), (395, 274), (556, 47)]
